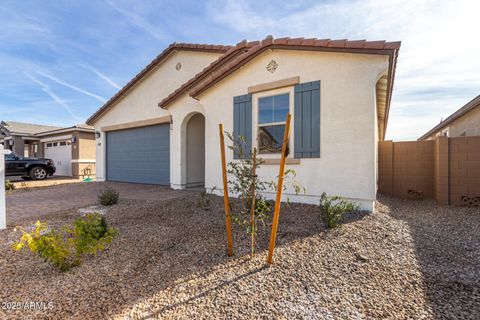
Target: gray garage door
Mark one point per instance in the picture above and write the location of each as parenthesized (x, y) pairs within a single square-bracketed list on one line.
[(139, 155)]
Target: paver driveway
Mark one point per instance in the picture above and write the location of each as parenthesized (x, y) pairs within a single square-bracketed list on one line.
[(26, 204)]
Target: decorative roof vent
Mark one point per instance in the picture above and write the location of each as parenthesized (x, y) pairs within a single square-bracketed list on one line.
[(272, 66), (178, 66)]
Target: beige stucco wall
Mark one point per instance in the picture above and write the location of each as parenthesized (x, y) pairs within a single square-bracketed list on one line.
[(347, 166), (84, 153), (468, 124), (141, 102)]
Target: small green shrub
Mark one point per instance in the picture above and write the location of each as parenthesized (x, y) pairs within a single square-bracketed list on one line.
[(66, 248), (334, 208), (108, 197), (9, 185), (91, 234)]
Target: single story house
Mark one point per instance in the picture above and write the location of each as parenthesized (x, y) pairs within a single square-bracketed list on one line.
[(72, 149), (465, 122), (20, 137), (162, 127)]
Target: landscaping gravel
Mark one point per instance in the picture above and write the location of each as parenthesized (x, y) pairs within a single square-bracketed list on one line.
[(407, 260)]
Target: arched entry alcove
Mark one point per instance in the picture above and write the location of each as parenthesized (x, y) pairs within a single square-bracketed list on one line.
[(194, 161)]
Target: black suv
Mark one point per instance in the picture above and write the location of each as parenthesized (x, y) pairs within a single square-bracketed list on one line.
[(33, 168)]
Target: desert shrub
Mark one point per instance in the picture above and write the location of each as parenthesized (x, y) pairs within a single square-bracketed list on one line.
[(108, 197), (9, 185), (91, 234), (334, 208), (204, 200), (66, 248), (243, 184)]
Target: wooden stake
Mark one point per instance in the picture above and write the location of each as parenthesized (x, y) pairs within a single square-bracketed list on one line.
[(252, 209), (225, 191), (281, 171)]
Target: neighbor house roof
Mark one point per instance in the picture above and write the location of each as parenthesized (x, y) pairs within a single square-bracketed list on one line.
[(474, 103), (78, 127), (19, 128), (161, 57)]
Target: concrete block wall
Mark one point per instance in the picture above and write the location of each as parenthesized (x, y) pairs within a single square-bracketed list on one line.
[(406, 169), (445, 169), (441, 170), (464, 170)]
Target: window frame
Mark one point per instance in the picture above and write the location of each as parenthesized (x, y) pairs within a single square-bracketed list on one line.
[(290, 90)]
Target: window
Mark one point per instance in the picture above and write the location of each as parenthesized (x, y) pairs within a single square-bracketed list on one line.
[(63, 143), (272, 113), (10, 156), (49, 145), (55, 144)]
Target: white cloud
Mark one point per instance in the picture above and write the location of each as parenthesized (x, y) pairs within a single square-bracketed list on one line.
[(102, 76), (138, 21), (438, 68), (71, 86), (45, 88)]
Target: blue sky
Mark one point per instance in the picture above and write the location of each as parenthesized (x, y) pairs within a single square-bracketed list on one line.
[(60, 60)]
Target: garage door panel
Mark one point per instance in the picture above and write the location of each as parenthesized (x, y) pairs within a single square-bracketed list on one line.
[(139, 155)]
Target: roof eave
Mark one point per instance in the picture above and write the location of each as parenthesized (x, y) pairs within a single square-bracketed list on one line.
[(148, 69)]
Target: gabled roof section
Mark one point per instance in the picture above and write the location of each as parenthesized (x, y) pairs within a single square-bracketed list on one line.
[(234, 52), (23, 128), (161, 57), (474, 103), (312, 44)]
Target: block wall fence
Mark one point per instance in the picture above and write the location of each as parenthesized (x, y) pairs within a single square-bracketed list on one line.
[(444, 169)]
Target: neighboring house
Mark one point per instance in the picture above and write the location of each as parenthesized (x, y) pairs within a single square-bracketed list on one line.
[(72, 149), (162, 127), (464, 122), (20, 137)]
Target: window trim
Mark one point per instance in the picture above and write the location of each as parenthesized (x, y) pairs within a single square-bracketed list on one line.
[(255, 125)]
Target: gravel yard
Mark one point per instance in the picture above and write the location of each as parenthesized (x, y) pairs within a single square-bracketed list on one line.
[(409, 259)]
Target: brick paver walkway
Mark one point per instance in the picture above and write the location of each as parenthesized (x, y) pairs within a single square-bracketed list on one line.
[(37, 202)]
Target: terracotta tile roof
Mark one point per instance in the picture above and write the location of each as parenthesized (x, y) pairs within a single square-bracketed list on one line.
[(174, 46), (343, 45), (472, 104), (240, 48), (350, 46)]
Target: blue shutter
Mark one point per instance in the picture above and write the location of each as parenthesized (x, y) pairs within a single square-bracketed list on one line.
[(242, 122), (307, 120)]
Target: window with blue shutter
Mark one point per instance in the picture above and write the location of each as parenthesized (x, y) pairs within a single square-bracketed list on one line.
[(307, 120), (242, 124)]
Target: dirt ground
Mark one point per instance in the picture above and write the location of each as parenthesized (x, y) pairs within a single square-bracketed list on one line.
[(406, 260)]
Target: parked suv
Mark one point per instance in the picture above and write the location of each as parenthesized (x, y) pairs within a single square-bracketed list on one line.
[(33, 168)]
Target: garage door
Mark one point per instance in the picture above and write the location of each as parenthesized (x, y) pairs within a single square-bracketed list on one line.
[(139, 155), (61, 154)]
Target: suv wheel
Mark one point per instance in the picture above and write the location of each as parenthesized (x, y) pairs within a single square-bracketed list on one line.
[(38, 173)]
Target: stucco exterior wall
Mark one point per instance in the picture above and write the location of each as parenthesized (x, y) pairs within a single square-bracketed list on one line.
[(18, 145), (141, 102), (83, 153), (468, 125), (348, 140)]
